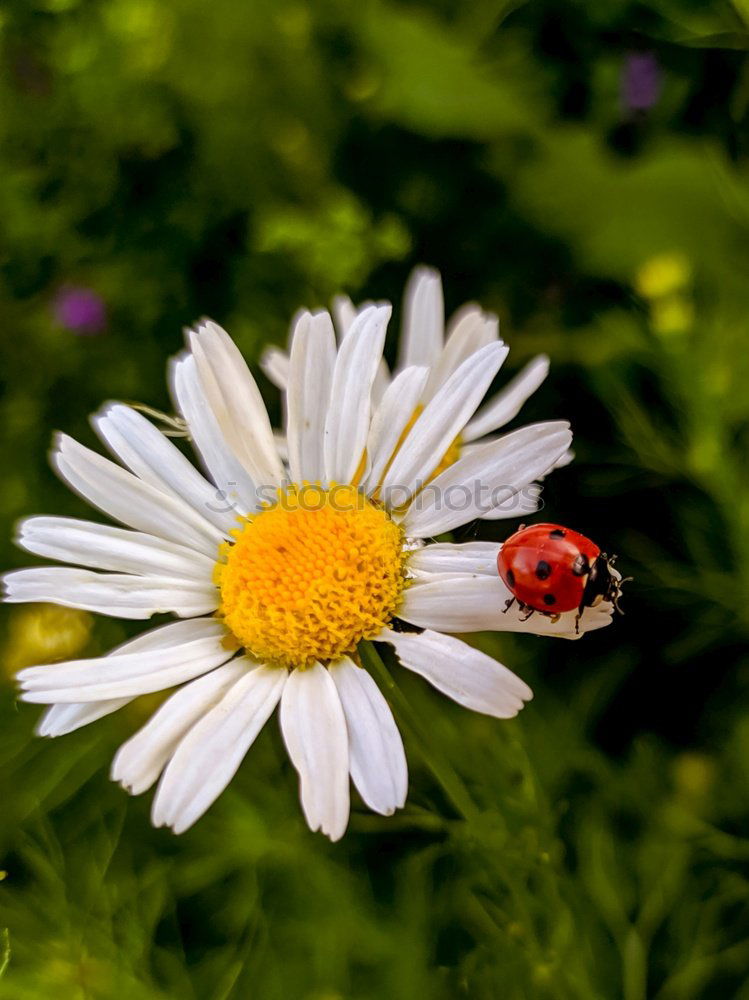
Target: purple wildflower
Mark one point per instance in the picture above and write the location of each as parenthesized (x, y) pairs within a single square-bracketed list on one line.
[(80, 310), (640, 81)]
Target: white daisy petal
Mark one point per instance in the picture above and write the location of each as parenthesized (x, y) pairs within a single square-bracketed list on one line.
[(275, 365), (526, 501), (347, 424), (102, 546), (140, 761), (165, 636), (376, 755), (442, 420), (566, 459), (209, 755), (129, 673), (115, 594), (486, 478), (466, 557), (314, 731), (125, 498), (381, 382), (344, 314), (470, 330), (59, 720), (236, 402), (454, 603), (463, 673), (392, 416), (156, 460), (507, 404), (293, 328), (281, 445), (424, 320), (236, 489), (313, 358)]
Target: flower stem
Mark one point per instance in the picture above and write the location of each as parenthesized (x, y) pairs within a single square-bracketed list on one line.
[(448, 778)]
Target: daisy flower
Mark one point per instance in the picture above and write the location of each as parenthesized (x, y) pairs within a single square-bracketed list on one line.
[(278, 573)]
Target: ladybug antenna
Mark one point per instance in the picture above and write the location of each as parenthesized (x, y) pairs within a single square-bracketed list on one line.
[(615, 582), (618, 593)]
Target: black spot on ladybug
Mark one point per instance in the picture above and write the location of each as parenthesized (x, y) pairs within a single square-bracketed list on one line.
[(510, 578), (557, 533), (543, 570), (581, 566), (549, 599)]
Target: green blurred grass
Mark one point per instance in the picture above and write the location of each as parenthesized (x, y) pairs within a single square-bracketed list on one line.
[(184, 159)]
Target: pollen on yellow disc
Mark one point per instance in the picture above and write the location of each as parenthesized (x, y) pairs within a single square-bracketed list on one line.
[(310, 576)]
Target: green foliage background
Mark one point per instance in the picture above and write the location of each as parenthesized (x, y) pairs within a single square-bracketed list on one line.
[(238, 160)]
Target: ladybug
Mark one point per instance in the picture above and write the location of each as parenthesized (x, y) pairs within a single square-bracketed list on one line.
[(550, 569)]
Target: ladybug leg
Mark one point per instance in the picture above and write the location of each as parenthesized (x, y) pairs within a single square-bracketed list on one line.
[(508, 604), (529, 613), (578, 616)]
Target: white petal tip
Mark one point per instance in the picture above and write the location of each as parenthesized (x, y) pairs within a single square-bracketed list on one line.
[(387, 810), (180, 827), (425, 273), (380, 312), (157, 819), (333, 835), (118, 774)]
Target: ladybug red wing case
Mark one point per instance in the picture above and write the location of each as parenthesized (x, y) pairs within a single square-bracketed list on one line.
[(551, 569)]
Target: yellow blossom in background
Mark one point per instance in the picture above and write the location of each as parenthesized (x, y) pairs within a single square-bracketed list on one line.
[(663, 275), (43, 633), (665, 282), (694, 775), (673, 314)]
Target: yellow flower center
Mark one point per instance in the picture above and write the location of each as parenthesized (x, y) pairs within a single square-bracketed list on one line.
[(310, 576)]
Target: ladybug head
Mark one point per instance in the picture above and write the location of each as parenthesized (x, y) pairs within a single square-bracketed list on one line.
[(604, 583)]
